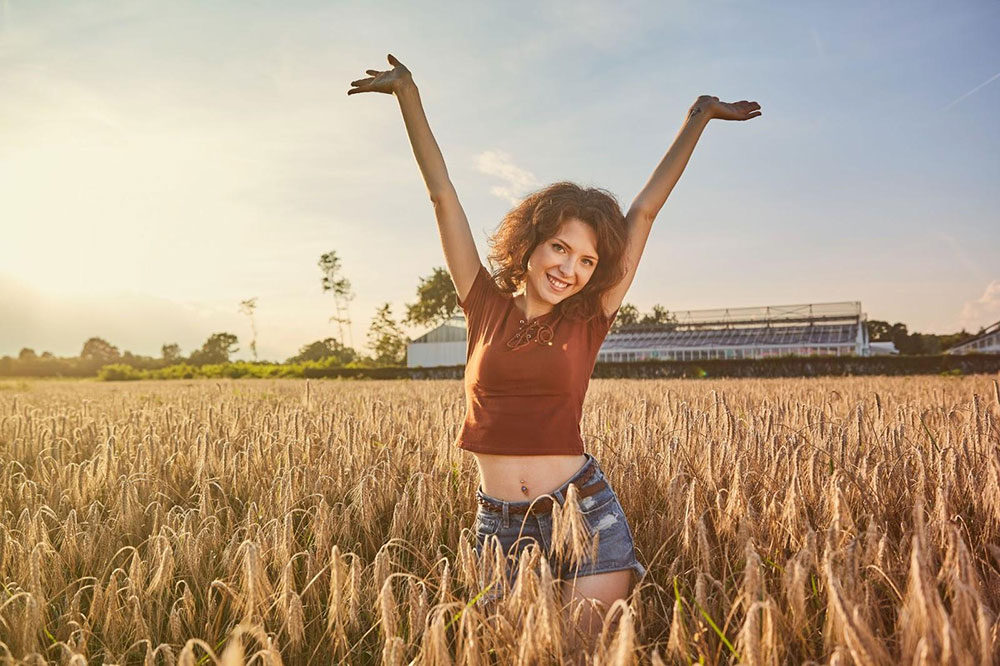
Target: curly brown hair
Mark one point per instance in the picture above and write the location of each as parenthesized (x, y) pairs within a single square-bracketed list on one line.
[(538, 217)]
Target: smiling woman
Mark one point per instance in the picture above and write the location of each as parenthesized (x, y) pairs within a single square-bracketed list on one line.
[(567, 232), (565, 257)]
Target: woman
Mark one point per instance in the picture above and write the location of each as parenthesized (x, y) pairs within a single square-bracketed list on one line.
[(571, 255)]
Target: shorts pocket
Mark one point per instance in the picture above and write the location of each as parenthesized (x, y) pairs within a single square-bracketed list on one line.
[(596, 503), (606, 517), (487, 524)]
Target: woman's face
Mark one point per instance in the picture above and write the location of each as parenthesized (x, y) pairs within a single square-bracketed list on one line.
[(569, 257)]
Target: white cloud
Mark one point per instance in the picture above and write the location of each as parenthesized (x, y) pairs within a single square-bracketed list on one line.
[(518, 181), (983, 311)]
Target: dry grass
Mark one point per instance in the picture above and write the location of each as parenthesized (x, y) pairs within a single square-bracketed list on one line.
[(782, 521)]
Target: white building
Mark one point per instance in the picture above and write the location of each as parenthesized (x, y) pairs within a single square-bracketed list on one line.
[(444, 345), (825, 329), (820, 329), (883, 349), (987, 342)]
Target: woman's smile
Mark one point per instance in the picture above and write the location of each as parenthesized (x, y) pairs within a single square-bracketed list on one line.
[(556, 285)]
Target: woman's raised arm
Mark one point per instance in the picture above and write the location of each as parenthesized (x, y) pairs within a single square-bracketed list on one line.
[(456, 237), (648, 202)]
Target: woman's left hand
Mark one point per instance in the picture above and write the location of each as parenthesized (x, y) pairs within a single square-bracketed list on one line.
[(713, 108)]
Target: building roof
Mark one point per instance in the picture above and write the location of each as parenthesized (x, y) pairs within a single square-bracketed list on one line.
[(452, 330), (801, 312), (988, 341), (814, 334)]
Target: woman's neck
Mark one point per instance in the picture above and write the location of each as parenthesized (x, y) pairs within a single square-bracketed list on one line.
[(531, 309)]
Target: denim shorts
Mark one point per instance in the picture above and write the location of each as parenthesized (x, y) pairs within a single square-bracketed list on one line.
[(601, 512)]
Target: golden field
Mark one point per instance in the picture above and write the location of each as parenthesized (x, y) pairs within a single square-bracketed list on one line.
[(840, 521)]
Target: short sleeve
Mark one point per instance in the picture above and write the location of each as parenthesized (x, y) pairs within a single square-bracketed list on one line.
[(600, 326), (477, 301)]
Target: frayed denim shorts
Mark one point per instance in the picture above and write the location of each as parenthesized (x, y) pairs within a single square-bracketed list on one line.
[(601, 512)]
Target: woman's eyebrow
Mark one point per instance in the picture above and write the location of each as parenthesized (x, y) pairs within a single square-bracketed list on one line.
[(571, 247)]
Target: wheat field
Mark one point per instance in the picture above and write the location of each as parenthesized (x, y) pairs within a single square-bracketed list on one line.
[(828, 521)]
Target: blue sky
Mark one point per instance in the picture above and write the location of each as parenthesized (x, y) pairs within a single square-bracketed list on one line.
[(160, 162)]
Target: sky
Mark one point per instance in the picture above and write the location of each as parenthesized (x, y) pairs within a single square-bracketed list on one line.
[(162, 161)]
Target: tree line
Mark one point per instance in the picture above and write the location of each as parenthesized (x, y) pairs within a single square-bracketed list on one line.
[(436, 302), (914, 344)]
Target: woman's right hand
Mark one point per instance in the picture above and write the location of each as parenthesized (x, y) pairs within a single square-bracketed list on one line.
[(390, 81)]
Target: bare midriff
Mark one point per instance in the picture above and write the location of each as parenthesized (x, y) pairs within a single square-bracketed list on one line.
[(503, 477)]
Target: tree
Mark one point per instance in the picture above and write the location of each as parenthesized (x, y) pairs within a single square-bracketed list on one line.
[(659, 315), (628, 315), (171, 352), (900, 337), (386, 339), (247, 307), (437, 300), (329, 264), (47, 354), (325, 349), (99, 349), (878, 331), (216, 349), (949, 341), (27, 354)]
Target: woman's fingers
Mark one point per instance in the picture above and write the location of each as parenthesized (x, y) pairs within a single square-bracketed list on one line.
[(361, 85), (392, 60), (373, 72)]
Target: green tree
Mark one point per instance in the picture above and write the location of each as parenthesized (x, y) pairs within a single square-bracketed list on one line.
[(659, 315), (27, 354), (437, 300), (171, 352), (321, 349), (386, 338), (628, 315), (949, 341), (878, 331), (340, 287), (901, 338), (99, 349), (216, 349)]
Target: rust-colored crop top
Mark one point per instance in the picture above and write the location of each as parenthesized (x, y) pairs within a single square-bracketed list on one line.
[(529, 400)]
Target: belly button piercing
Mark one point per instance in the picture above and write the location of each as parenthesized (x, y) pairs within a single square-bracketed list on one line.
[(524, 488)]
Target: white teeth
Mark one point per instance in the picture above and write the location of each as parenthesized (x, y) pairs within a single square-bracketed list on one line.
[(556, 283)]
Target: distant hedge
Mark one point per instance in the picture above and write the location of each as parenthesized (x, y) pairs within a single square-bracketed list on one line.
[(808, 366), (787, 366)]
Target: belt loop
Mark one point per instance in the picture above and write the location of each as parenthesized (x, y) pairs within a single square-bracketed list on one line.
[(559, 496), (506, 515)]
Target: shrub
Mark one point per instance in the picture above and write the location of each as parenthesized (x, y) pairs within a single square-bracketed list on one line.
[(119, 372)]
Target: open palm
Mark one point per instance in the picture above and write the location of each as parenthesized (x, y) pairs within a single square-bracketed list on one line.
[(388, 81), (742, 110)]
